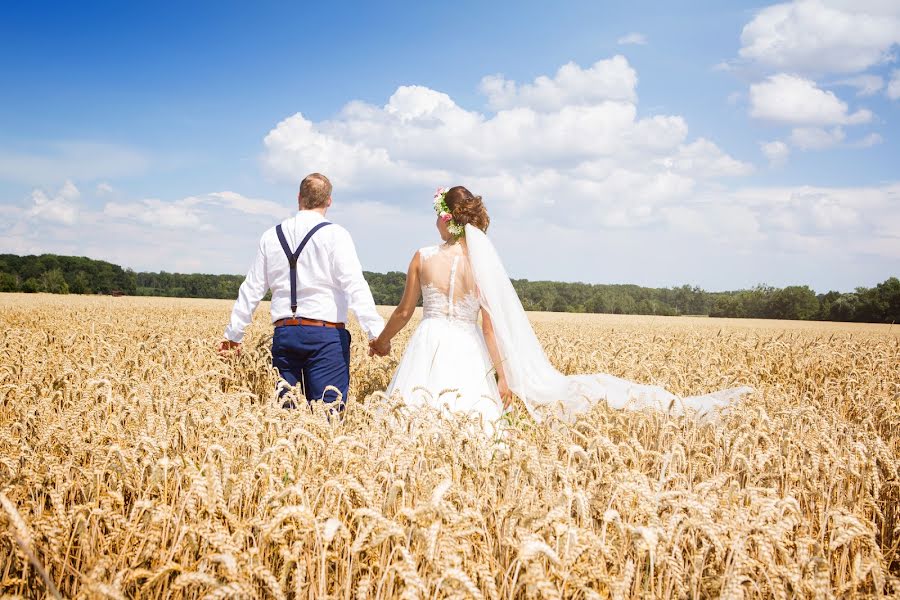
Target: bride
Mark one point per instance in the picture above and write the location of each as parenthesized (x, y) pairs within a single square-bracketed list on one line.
[(454, 365)]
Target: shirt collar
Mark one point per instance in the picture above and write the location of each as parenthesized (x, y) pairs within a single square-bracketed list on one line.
[(310, 215)]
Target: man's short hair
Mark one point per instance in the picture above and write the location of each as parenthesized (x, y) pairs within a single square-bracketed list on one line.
[(315, 190)]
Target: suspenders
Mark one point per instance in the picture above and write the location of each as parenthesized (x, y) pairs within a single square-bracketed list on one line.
[(292, 259)]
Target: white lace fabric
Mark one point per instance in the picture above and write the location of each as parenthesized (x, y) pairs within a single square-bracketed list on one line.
[(448, 285)]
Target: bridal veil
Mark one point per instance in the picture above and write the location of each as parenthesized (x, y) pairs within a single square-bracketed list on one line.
[(528, 370)]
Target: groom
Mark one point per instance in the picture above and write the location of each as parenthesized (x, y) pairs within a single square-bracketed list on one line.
[(315, 276)]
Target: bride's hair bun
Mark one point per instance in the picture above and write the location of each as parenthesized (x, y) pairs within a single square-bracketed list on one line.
[(466, 208)]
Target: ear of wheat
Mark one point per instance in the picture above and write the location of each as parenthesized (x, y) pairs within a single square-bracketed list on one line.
[(135, 463)]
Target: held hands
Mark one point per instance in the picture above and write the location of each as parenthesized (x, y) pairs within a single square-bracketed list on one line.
[(379, 347), (228, 348)]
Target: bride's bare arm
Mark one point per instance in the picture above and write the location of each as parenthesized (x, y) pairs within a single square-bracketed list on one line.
[(487, 326), (404, 311)]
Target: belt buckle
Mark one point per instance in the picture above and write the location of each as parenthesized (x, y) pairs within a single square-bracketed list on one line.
[(291, 321)]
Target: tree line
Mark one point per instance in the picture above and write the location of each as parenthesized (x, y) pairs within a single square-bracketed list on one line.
[(879, 304), (64, 275), (80, 275)]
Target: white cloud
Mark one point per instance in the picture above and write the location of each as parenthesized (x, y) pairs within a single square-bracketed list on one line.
[(591, 178), (69, 192), (893, 89), (194, 211), (61, 207), (884, 246), (809, 39), (816, 138), (298, 146), (386, 235), (212, 233), (797, 100), (830, 214), (822, 36), (814, 210), (820, 138), (723, 222), (776, 152), (873, 139), (723, 66), (104, 188), (612, 79), (250, 206), (156, 213), (822, 229), (632, 38), (582, 176), (703, 158), (561, 150), (866, 85), (77, 160), (718, 238)]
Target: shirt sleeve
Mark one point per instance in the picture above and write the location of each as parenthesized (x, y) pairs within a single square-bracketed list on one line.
[(252, 291), (348, 272)]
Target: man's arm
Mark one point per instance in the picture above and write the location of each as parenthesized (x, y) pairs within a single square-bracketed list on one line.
[(252, 291), (349, 275)]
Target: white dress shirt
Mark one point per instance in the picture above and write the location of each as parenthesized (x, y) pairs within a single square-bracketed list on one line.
[(329, 278)]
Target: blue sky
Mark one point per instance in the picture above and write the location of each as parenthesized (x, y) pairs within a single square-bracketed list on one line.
[(709, 143)]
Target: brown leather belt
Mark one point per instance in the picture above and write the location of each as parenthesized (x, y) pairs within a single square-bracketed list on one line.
[(292, 321)]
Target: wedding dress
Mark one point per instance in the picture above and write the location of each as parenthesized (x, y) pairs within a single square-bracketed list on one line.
[(446, 363), (447, 355)]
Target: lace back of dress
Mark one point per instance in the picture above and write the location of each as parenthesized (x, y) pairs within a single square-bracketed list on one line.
[(448, 285)]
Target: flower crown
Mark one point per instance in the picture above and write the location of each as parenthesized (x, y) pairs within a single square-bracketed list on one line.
[(443, 211)]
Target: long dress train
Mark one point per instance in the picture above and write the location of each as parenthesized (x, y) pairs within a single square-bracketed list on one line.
[(447, 365), (531, 376)]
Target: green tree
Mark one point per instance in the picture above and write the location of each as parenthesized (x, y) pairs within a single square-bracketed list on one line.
[(32, 285), (624, 304), (9, 282), (729, 305), (80, 283), (599, 303), (644, 307), (880, 304), (683, 299), (825, 303), (843, 308), (793, 302), (54, 282), (889, 294)]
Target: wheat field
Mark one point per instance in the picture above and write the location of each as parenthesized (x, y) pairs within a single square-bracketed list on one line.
[(135, 463)]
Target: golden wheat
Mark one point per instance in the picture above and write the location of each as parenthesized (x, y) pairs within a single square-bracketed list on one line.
[(136, 463)]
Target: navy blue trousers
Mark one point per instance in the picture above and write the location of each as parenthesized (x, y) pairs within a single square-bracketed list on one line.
[(317, 357)]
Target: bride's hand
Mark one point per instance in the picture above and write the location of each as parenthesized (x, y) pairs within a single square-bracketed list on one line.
[(379, 347), (505, 393)]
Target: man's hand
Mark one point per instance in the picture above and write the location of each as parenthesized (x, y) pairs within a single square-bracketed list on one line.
[(228, 348), (505, 394), (379, 347)]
